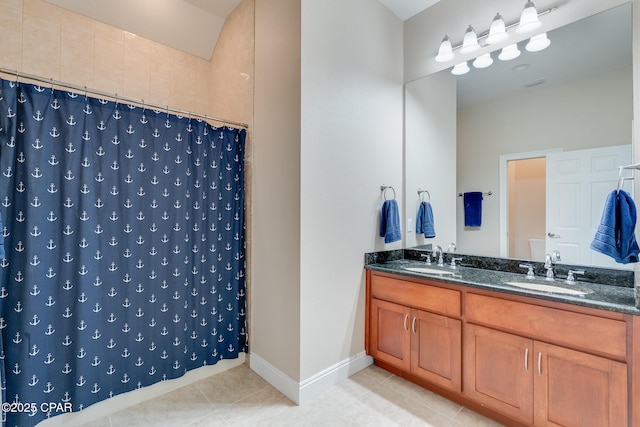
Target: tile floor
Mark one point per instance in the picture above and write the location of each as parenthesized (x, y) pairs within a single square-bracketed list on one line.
[(239, 397)]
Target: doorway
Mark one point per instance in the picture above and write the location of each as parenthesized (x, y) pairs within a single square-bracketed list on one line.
[(526, 204)]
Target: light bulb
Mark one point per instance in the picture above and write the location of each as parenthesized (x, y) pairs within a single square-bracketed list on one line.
[(497, 31), (470, 41), (445, 52), (509, 52), (529, 19), (538, 43), (459, 69), (483, 61)]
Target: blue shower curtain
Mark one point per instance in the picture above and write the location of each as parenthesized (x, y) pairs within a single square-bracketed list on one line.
[(125, 254)]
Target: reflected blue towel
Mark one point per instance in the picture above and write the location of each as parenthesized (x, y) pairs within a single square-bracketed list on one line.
[(473, 209), (390, 222), (424, 220), (615, 236)]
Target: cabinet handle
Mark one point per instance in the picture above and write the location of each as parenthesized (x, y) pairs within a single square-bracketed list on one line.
[(413, 326), (406, 317), (539, 361), (526, 360)]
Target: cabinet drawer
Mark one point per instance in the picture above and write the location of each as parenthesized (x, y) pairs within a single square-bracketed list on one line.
[(572, 329), (412, 294)]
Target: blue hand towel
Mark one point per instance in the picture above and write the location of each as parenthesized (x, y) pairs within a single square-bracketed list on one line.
[(390, 222), (473, 209), (424, 220), (615, 236)]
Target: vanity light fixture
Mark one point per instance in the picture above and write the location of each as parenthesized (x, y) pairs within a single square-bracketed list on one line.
[(483, 61), (470, 41), (497, 31), (538, 43), (460, 69), (529, 20), (445, 52), (509, 52)]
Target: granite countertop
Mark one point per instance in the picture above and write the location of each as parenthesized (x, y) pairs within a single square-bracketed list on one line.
[(601, 296)]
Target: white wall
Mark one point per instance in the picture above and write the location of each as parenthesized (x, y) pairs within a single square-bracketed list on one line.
[(430, 159), (592, 112), (327, 134), (275, 260), (351, 144)]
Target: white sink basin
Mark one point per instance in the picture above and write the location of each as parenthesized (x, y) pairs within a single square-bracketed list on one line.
[(425, 270), (547, 288)]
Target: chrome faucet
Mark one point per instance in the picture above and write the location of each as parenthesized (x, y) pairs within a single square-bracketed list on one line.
[(548, 264), (438, 251)]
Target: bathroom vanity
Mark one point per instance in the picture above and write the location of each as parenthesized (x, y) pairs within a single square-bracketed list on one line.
[(519, 356)]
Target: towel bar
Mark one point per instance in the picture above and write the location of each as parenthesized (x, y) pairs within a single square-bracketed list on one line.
[(384, 188), (421, 193), (484, 194)]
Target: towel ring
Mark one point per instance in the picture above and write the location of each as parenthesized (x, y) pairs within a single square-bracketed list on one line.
[(421, 195), (384, 188)]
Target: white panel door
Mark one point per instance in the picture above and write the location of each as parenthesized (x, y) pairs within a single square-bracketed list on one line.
[(578, 183)]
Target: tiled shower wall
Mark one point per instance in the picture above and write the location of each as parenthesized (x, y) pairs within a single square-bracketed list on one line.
[(46, 40)]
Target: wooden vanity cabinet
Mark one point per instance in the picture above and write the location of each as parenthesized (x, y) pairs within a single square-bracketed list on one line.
[(533, 381), (543, 384), (423, 343), (510, 358)]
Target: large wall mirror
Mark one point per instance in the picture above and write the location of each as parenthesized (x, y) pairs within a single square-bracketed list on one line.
[(544, 133)]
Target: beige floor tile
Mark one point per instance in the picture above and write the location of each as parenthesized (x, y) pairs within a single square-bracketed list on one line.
[(239, 397), (424, 396), (101, 422), (177, 408), (231, 386), (468, 418)]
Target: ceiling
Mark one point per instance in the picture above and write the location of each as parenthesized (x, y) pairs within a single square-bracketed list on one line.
[(405, 9), (192, 26)]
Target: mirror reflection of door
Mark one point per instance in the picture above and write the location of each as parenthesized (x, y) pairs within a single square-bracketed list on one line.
[(526, 196), (578, 183)]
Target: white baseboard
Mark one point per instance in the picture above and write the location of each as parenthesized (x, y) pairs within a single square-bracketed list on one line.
[(306, 390)]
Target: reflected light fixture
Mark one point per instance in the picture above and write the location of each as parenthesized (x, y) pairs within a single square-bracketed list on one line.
[(538, 43), (509, 52), (470, 41), (529, 20), (483, 61), (459, 69), (497, 31), (445, 52)]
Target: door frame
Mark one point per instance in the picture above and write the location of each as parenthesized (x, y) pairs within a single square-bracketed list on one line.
[(504, 214)]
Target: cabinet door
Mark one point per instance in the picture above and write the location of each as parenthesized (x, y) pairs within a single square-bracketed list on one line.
[(578, 389), (436, 349), (390, 339), (498, 371)]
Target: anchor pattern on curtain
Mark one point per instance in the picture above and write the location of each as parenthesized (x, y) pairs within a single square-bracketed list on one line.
[(125, 254)]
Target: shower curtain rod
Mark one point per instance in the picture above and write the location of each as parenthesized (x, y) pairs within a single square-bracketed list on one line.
[(140, 102)]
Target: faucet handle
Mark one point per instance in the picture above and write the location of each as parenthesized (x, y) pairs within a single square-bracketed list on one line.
[(428, 258), (571, 278), (453, 261), (530, 273)]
